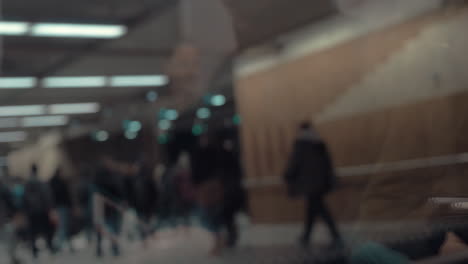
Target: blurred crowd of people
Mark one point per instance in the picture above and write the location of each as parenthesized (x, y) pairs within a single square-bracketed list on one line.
[(202, 185)]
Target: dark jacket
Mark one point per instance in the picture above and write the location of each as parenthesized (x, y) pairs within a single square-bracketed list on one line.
[(60, 192), (310, 170), (204, 161), (7, 206), (37, 197), (142, 192)]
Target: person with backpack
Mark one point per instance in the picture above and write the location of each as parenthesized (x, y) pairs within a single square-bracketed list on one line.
[(310, 174), (38, 204)]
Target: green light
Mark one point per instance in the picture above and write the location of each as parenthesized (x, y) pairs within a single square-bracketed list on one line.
[(134, 126), (236, 119), (197, 130), (164, 124), (131, 135), (162, 113), (218, 100), (171, 114), (152, 96), (101, 136), (204, 113), (163, 139)]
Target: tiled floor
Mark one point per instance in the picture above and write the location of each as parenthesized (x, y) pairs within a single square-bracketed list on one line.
[(260, 244)]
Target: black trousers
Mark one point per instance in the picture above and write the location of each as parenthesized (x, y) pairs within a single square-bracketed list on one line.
[(316, 207), (40, 226)]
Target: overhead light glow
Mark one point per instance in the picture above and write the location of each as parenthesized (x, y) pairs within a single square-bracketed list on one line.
[(134, 126), (131, 135), (44, 121), (12, 28), (77, 30), (198, 129), (8, 122), (17, 82), (74, 82), (139, 81), (203, 113), (102, 136), (165, 124), (218, 100), (152, 96), (172, 114), (79, 108), (14, 136), (22, 110)]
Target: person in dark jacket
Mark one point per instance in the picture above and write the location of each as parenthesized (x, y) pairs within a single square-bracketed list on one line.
[(109, 183), (310, 174), (38, 204), (143, 196), (63, 205), (10, 221)]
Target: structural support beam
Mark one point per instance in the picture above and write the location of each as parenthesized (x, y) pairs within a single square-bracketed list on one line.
[(131, 23), (60, 48)]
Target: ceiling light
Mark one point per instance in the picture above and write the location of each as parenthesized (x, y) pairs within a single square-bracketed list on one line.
[(102, 136), (203, 113), (152, 96), (131, 135), (134, 126), (44, 121), (164, 124), (74, 82), (22, 110), (11, 28), (8, 122), (139, 80), (79, 108), (172, 114), (198, 129), (14, 136), (218, 100), (17, 82), (78, 30)]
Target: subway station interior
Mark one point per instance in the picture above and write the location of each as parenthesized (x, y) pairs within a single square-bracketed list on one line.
[(233, 131)]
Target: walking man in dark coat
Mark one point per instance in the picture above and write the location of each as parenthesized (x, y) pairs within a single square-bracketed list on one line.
[(310, 174)]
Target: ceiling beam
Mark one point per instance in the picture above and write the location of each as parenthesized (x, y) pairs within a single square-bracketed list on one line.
[(12, 49), (131, 23)]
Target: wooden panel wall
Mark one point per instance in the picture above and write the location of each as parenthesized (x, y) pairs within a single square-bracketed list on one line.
[(273, 102)]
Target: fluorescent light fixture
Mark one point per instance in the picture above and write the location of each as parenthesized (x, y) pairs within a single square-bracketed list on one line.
[(44, 121), (78, 30), (22, 110), (79, 108), (17, 82), (12, 28), (8, 122), (139, 80), (15, 136), (74, 82)]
